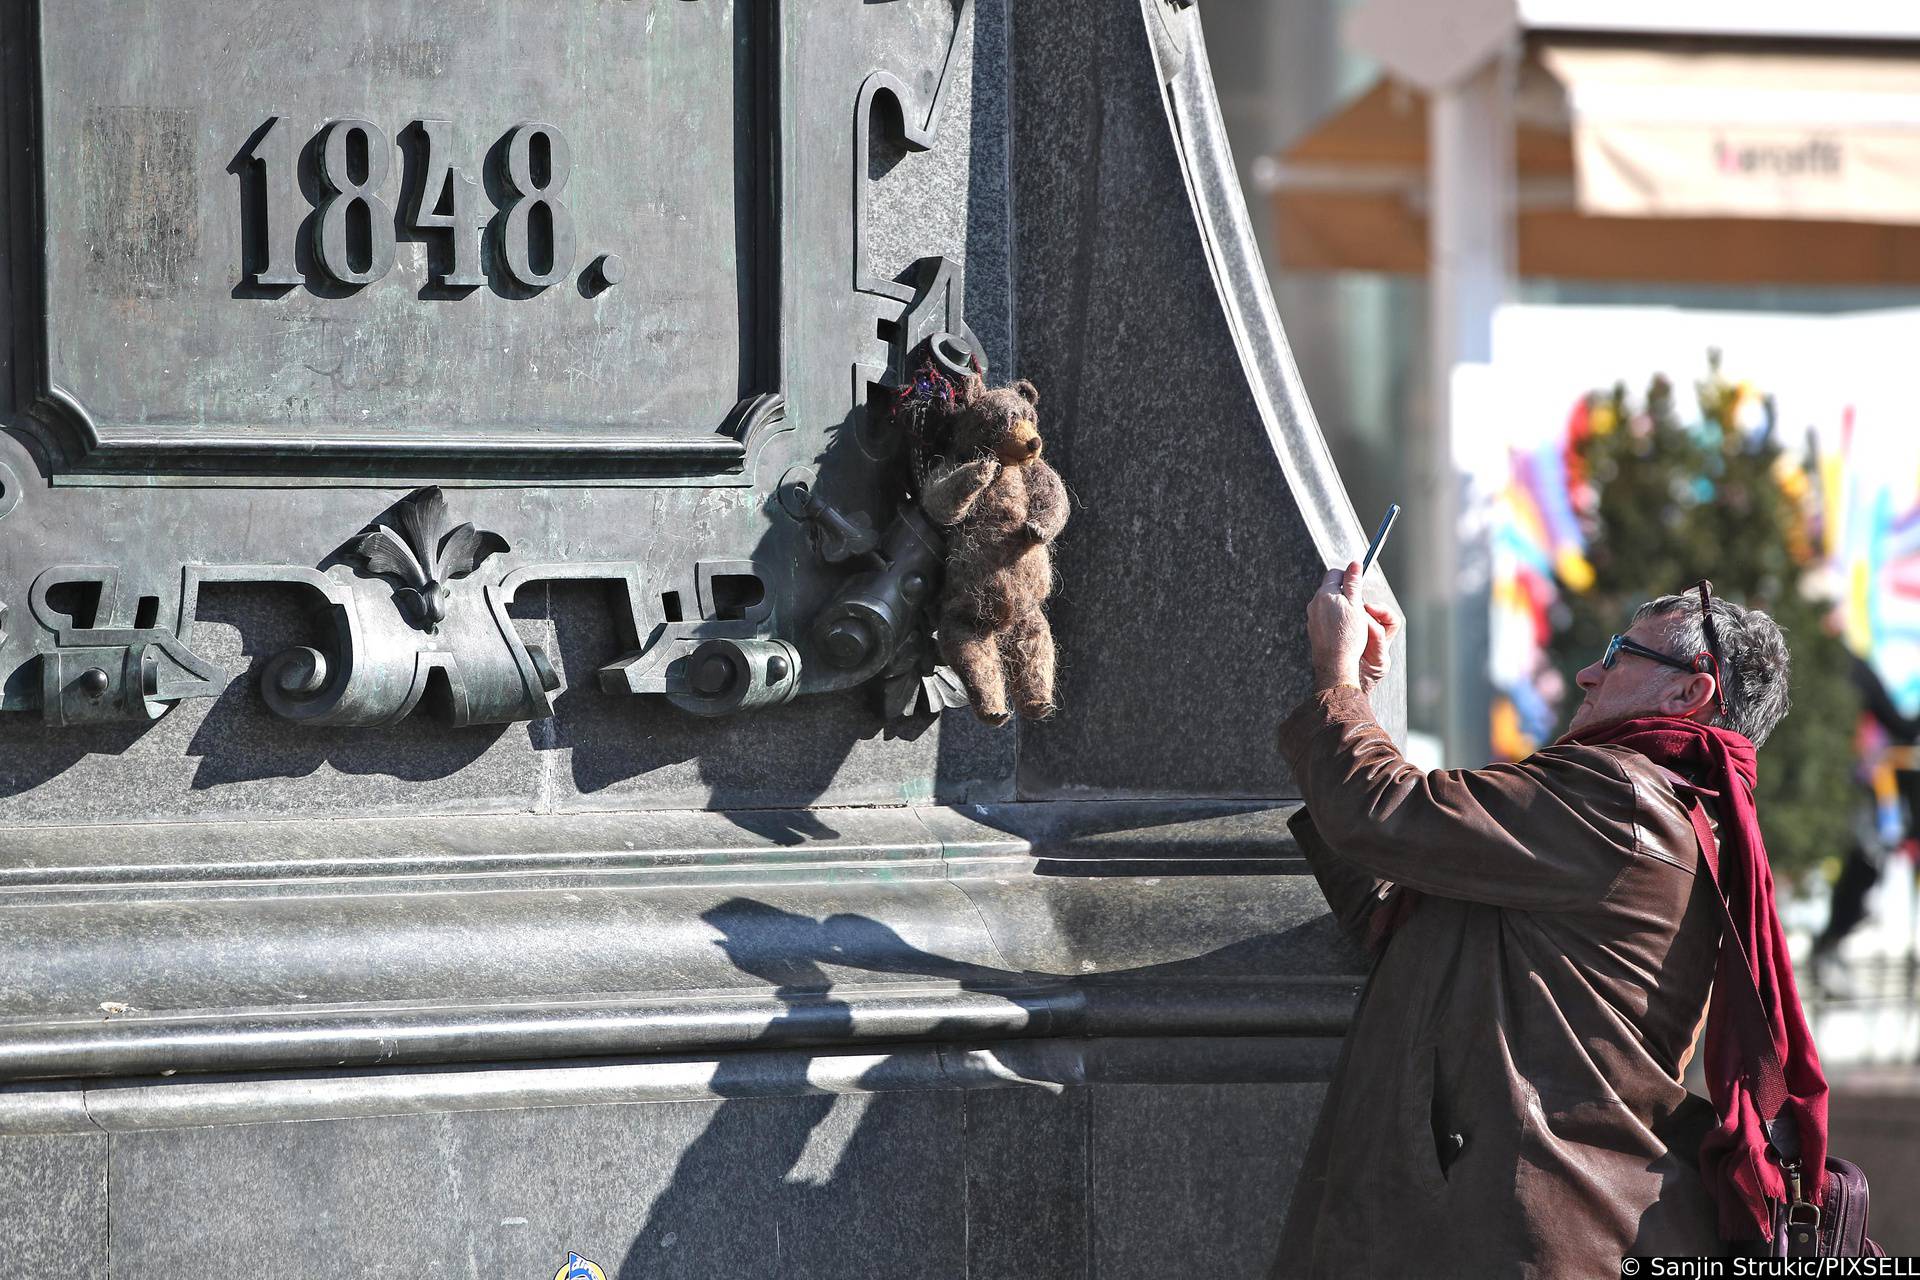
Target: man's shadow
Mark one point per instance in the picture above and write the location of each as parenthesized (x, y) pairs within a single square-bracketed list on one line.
[(751, 1164)]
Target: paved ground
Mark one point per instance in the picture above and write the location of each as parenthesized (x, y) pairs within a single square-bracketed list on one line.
[(1875, 1122)]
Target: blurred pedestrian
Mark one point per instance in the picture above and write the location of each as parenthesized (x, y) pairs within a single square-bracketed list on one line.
[(1509, 1100), (1883, 821)]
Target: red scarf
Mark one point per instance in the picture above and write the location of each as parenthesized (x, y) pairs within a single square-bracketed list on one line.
[(1733, 1157)]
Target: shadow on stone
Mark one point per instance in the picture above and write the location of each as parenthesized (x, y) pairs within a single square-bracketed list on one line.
[(807, 1174), (34, 754)]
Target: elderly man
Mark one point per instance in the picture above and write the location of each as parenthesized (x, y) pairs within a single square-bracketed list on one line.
[(1545, 939)]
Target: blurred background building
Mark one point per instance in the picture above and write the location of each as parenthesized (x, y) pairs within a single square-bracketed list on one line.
[(1613, 295)]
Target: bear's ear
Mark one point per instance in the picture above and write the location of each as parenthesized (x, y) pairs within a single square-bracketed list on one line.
[(1028, 392), (972, 387)]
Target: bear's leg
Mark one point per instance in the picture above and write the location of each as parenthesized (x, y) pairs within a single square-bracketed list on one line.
[(971, 648), (1030, 665)]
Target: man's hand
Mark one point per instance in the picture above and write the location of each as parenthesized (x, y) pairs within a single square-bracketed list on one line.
[(1351, 640), (1383, 624)]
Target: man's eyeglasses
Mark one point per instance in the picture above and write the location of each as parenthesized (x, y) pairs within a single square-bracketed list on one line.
[(1706, 663), (1619, 644)]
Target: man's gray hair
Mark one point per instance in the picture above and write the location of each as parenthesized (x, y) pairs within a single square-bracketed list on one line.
[(1754, 660)]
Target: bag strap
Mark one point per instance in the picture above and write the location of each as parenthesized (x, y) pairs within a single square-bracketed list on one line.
[(1798, 1226), (1750, 1022)]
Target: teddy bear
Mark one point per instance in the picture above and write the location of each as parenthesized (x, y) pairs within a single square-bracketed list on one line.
[(1001, 506)]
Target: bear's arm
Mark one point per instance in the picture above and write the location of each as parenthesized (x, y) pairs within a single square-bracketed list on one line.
[(1046, 503), (952, 490)]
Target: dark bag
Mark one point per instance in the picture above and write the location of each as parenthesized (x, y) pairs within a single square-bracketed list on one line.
[(1837, 1226)]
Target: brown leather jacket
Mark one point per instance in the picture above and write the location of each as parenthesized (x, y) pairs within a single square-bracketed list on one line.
[(1509, 1099)]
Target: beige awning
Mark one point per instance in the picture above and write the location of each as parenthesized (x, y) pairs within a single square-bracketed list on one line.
[(1743, 135), (1761, 167)]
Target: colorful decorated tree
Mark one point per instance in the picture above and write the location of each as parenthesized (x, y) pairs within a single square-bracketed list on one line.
[(1664, 501)]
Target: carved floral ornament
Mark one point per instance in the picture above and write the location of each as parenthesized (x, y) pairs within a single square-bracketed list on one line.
[(424, 556), (416, 605)]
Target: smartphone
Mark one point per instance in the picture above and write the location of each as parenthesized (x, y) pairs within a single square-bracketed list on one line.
[(1380, 535)]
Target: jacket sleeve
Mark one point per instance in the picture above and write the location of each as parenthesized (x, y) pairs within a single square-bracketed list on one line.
[(1552, 832), (1354, 895)]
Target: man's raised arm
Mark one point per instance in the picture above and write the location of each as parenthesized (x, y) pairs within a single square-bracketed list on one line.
[(1547, 833), (1552, 832)]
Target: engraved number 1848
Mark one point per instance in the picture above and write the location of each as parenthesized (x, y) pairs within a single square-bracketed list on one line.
[(354, 228)]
